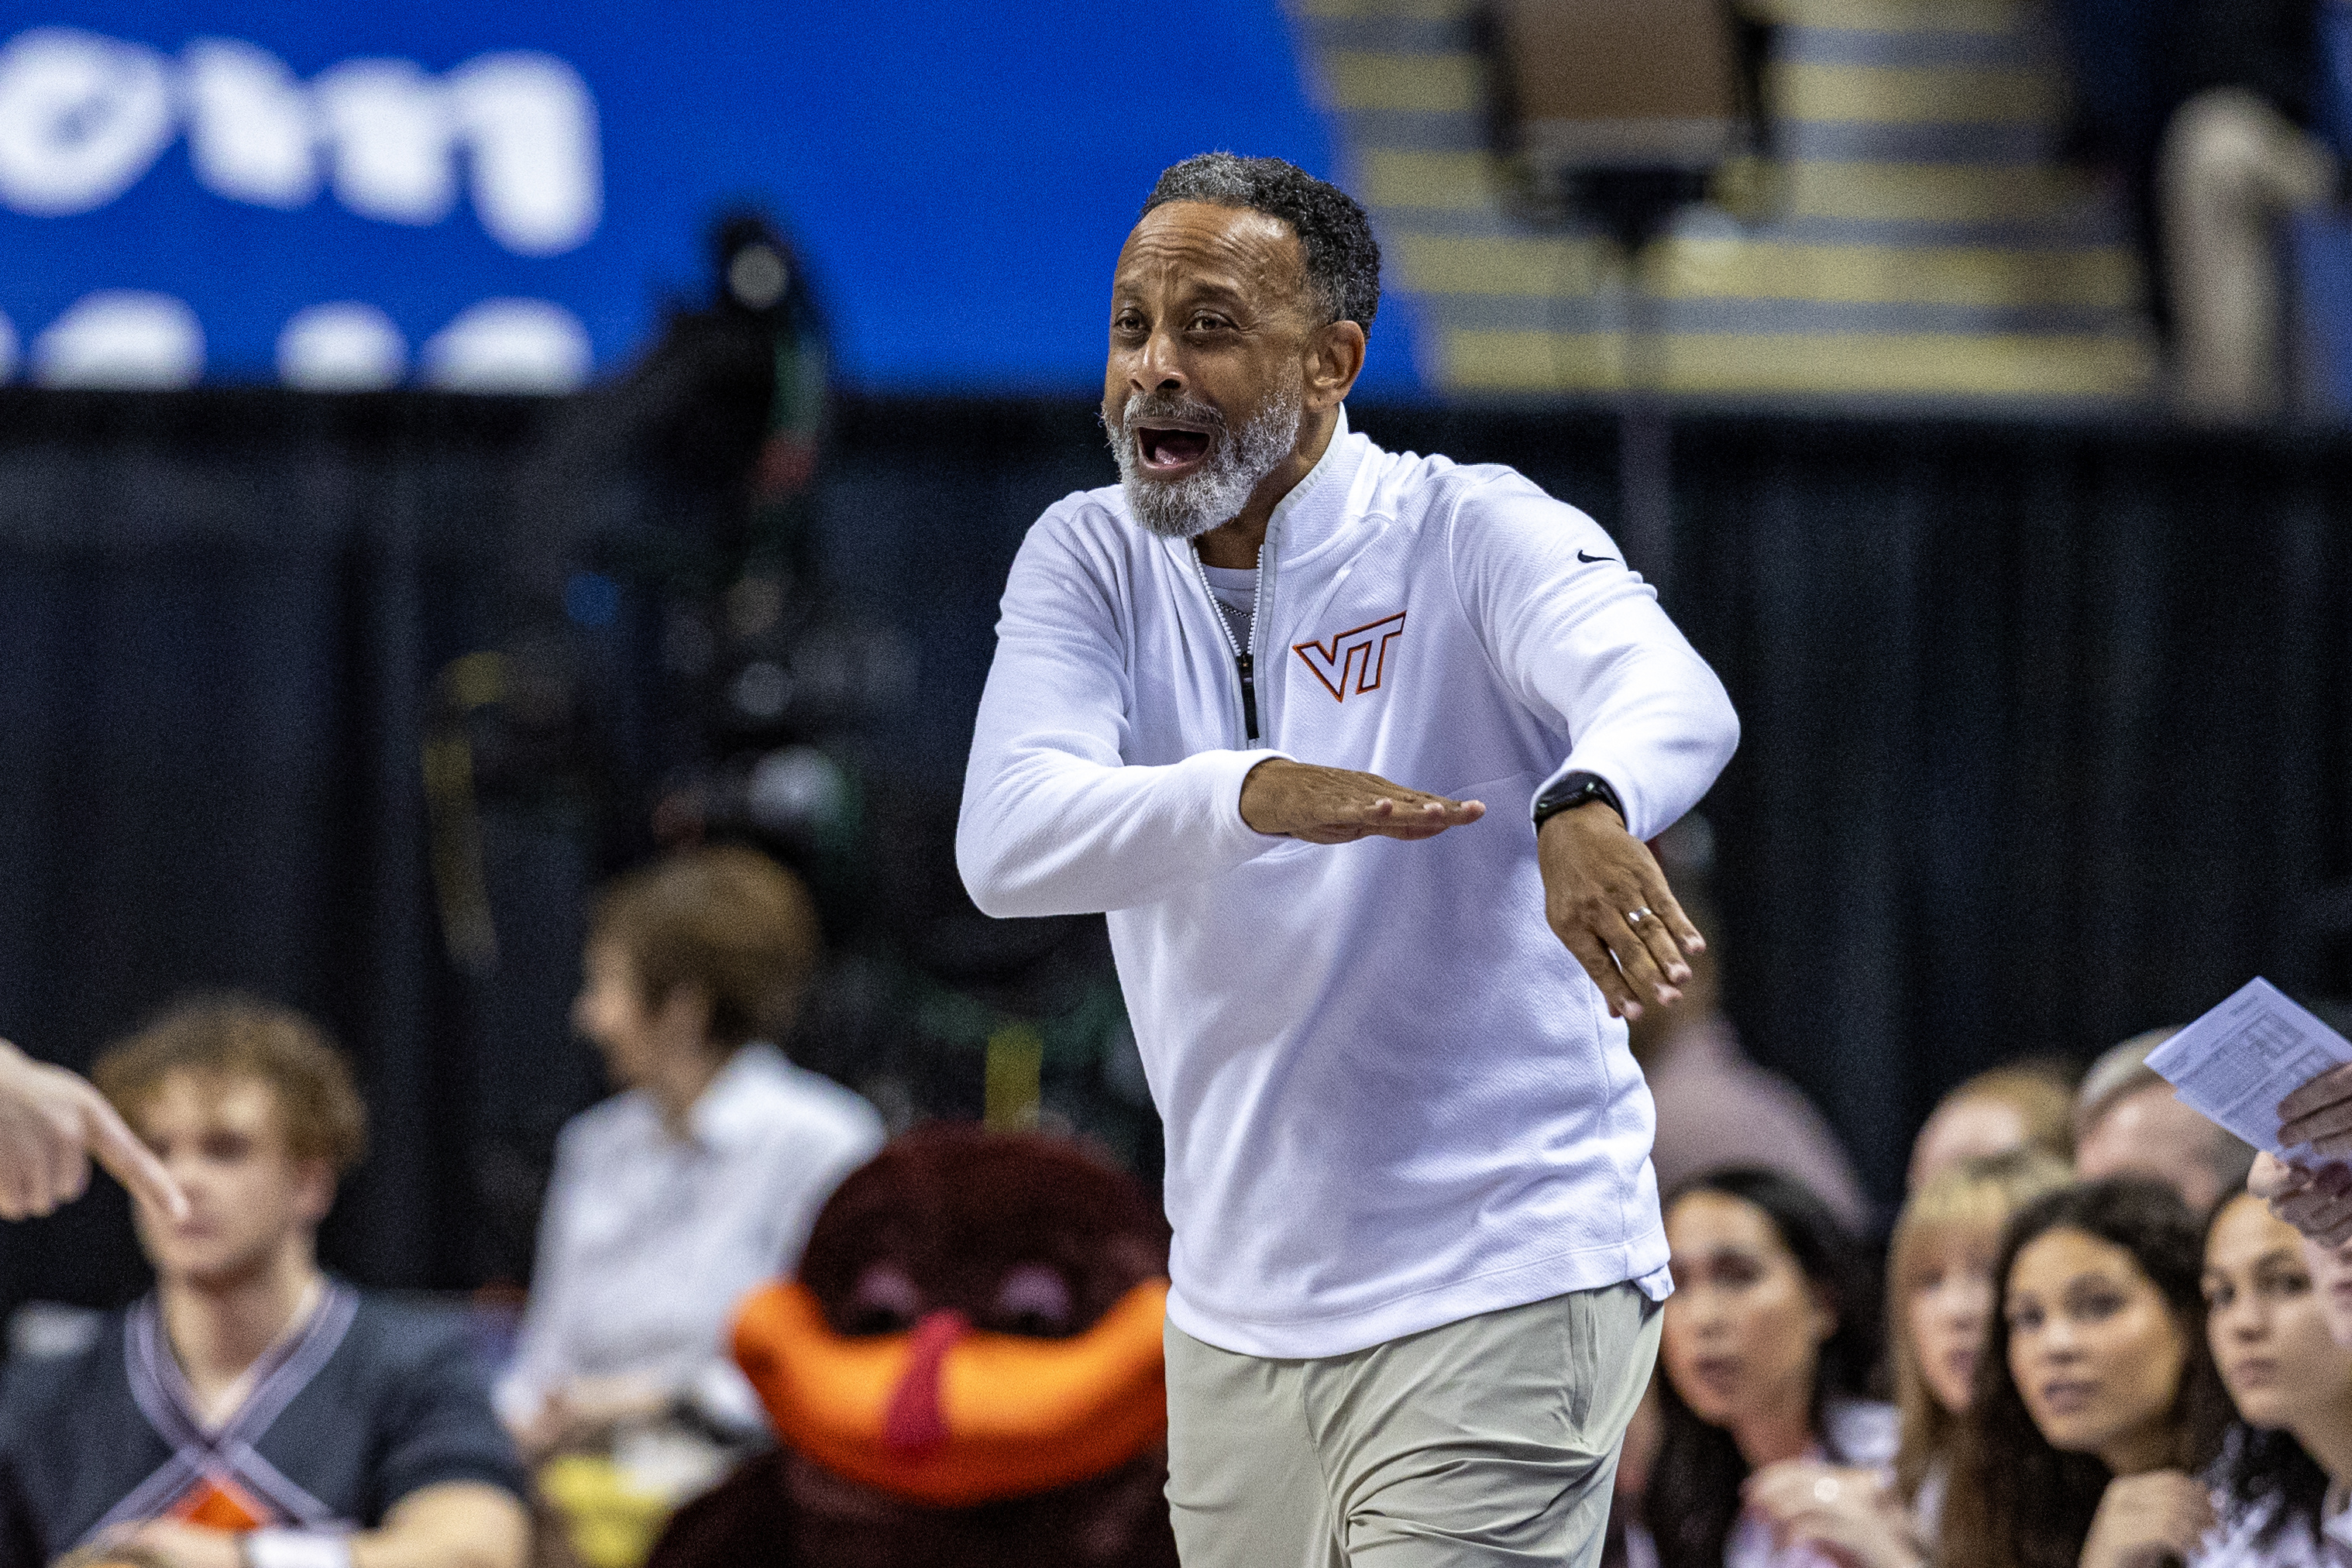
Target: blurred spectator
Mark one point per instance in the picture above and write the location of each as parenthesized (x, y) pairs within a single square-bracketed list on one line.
[(2028, 1104), (2292, 1383), (2127, 1123), (250, 1410), (1768, 1340), (1715, 1107), (2207, 105), (699, 1181), (1939, 1300), (2089, 1427), (2331, 1276)]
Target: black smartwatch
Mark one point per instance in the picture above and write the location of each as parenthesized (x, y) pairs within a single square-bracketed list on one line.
[(1573, 790)]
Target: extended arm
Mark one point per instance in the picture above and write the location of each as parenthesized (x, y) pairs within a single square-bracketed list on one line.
[(1581, 640), (1053, 822)]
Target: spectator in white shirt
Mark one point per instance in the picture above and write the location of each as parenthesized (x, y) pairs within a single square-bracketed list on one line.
[(700, 1180)]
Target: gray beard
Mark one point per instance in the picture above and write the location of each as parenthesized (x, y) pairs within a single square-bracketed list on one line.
[(1215, 493)]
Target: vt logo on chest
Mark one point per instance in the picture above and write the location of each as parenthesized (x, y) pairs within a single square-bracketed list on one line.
[(1355, 661)]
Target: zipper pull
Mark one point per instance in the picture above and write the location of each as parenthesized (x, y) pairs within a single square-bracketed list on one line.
[(1244, 662)]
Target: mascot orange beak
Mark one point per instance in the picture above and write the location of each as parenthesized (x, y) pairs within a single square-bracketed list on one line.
[(948, 1415)]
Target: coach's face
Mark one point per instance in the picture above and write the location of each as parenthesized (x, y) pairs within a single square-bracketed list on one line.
[(1221, 375)]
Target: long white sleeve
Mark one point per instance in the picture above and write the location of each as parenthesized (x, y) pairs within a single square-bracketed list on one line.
[(1053, 822), (1392, 1099), (1574, 634)]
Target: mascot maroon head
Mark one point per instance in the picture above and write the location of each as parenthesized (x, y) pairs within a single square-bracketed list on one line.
[(968, 1370)]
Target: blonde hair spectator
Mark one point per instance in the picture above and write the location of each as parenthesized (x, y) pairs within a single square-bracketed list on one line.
[(1944, 1245)]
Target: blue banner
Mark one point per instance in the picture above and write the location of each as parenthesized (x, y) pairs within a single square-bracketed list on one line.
[(490, 196)]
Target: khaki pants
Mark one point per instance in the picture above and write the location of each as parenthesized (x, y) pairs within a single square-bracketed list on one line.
[(1488, 1442)]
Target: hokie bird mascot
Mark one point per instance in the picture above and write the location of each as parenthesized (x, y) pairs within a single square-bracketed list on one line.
[(967, 1370)]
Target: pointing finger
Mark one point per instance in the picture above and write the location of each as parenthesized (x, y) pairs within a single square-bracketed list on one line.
[(132, 1162), (65, 1174)]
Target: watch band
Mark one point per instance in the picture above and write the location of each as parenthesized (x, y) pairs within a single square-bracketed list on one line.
[(1579, 788), (295, 1549)]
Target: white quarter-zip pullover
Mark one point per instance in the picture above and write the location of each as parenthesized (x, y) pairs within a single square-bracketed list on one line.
[(1392, 1099)]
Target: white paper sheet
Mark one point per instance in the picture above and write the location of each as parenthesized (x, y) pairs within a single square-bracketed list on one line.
[(2237, 1062)]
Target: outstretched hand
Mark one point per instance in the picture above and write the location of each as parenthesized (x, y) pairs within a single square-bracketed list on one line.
[(1610, 905), (1340, 806), (52, 1124)]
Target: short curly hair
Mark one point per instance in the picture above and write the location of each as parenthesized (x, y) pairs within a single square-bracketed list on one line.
[(226, 1037), (1343, 259)]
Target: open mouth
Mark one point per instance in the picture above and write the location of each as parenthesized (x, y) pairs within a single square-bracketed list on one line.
[(1170, 448), (2068, 1399)]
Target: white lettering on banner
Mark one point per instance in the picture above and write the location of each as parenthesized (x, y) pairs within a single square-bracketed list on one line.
[(348, 346), (119, 337), (538, 179), (83, 117), (249, 126), (510, 345), (389, 133)]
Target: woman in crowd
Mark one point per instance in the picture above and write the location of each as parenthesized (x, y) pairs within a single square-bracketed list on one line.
[(700, 1179), (2087, 1430), (2020, 1105), (1939, 1302), (2293, 1386), (1768, 1338)]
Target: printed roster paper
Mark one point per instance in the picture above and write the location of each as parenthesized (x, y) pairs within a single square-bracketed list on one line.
[(2237, 1062)]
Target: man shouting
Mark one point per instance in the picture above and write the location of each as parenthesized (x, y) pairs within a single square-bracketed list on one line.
[(1249, 701)]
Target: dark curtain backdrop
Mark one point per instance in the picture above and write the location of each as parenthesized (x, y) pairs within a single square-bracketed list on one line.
[(2045, 738), (222, 615)]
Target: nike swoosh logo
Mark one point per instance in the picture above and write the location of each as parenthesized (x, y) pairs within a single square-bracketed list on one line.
[(1589, 560)]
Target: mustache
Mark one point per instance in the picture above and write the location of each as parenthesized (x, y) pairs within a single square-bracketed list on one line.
[(1145, 407)]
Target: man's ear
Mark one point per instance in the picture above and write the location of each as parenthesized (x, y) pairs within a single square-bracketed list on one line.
[(1335, 358)]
